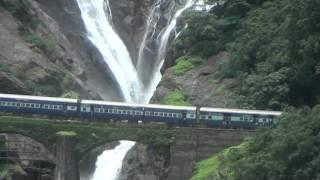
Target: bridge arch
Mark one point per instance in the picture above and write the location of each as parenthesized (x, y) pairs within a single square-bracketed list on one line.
[(30, 157)]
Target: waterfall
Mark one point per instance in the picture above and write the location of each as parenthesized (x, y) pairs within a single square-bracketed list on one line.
[(109, 163), (154, 75), (97, 18), (111, 47)]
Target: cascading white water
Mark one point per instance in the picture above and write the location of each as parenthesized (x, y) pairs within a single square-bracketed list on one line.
[(109, 163), (111, 47), (97, 18), (155, 75)]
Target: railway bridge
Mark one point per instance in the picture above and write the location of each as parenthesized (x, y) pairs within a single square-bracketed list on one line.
[(67, 142)]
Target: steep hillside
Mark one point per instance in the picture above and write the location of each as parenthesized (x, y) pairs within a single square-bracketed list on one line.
[(44, 51), (272, 49)]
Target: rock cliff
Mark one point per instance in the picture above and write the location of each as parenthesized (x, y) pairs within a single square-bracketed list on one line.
[(44, 51), (200, 85), (141, 163)]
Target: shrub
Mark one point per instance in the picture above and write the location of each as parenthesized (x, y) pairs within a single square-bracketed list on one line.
[(184, 65), (33, 40), (176, 97)]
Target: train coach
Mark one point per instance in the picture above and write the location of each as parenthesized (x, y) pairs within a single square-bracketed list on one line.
[(38, 105), (238, 118), (104, 111)]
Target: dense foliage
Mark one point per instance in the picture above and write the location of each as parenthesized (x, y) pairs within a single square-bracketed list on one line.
[(274, 47), (289, 152)]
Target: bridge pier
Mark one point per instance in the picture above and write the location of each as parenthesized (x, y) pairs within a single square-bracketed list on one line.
[(67, 164), (195, 144)]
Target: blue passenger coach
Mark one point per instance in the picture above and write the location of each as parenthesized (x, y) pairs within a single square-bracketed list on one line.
[(38, 105), (105, 111), (170, 114), (240, 118)]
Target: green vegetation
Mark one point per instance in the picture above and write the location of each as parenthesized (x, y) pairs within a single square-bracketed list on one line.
[(274, 45), (291, 151), (33, 40), (66, 133), (71, 94), (8, 169), (8, 6), (89, 135), (274, 57), (207, 169), (175, 98), (184, 65)]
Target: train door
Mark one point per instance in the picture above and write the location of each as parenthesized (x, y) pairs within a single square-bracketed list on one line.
[(92, 112), (226, 120)]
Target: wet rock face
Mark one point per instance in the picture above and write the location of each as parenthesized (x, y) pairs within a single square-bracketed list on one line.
[(130, 18), (45, 50), (142, 164), (201, 85)]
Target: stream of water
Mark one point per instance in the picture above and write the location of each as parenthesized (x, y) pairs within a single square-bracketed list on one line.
[(109, 163), (98, 23)]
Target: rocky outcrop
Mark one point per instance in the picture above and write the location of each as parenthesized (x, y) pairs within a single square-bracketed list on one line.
[(44, 48), (132, 17), (141, 163), (201, 85)]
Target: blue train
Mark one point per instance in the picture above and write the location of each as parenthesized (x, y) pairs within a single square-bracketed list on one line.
[(116, 111)]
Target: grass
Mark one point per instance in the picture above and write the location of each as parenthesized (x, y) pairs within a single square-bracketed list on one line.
[(184, 65), (207, 169), (71, 94), (175, 97), (66, 133), (218, 166)]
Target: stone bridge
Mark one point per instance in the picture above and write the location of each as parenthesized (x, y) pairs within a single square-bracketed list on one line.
[(70, 141)]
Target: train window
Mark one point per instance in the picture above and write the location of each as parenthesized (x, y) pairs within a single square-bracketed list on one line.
[(147, 113), (32, 105), (235, 118)]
